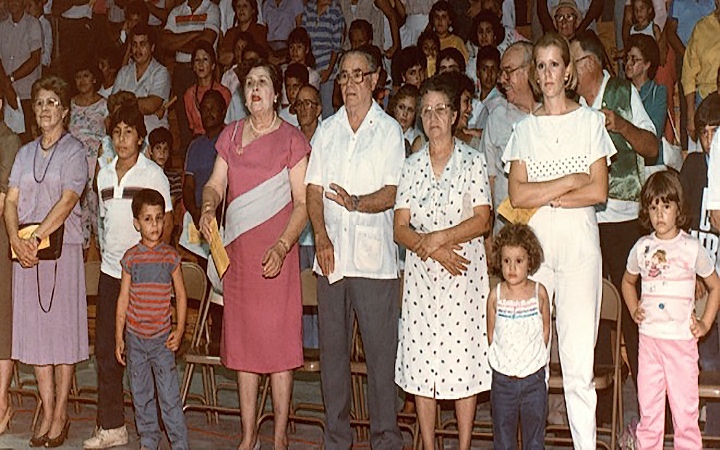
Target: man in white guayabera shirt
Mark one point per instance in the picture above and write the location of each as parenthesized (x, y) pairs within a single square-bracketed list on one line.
[(352, 178)]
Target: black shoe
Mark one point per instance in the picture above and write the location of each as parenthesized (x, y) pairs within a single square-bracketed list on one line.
[(38, 441), (60, 440)]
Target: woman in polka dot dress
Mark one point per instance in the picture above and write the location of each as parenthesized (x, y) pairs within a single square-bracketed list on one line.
[(557, 158), (441, 212)]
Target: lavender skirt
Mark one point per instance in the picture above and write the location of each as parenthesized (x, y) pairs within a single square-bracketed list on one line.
[(59, 336)]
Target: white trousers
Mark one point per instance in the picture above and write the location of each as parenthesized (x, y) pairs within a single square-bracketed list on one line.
[(572, 271)]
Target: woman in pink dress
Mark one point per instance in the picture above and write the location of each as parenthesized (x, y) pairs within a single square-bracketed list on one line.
[(261, 161)]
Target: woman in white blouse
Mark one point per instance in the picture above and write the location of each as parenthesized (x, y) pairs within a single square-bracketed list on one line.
[(442, 210), (557, 159)]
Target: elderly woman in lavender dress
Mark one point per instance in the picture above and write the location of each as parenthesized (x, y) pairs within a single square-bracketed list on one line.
[(46, 182)]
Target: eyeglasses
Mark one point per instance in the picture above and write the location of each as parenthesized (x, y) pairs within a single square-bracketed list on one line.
[(305, 104), (438, 110), (49, 102), (565, 17), (507, 71), (357, 76)]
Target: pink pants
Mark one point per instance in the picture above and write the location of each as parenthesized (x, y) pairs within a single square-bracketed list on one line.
[(668, 366)]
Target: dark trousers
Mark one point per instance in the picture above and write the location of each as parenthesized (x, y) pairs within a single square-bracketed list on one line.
[(616, 241), (709, 350), (30, 122), (375, 302), (110, 373), (521, 400), (183, 77)]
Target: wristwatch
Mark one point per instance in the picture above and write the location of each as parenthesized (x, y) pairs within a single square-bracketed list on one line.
[(355, 202)]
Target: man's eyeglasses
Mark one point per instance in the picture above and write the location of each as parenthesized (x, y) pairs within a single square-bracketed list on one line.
[(305, 104), (565, 17), (508, 71), (357, 76), (577, 61), (49, 102), (438, 110)]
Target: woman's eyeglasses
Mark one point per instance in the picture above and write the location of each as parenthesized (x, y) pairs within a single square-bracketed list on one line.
[(438, 110), (49, 102)]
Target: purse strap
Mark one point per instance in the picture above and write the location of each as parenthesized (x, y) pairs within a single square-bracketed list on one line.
[(52, 295)]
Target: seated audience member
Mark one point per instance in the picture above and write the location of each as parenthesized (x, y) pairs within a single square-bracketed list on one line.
[(590, 12), (515, 105), (382, 16), (694, 178), (403, 107), (429, 43), (145, 77), (307, 107), (188, 23), (136, 13), (280, 16), (700, 64), (160, 144), (486, 31), (487, 70), (230, 78), (203, 60), (325, 29), (441, 21), (566, 17), (641, 63), (109, 62), (409, 66), (450, 60), (117, 236), (462, 129), (296, 76), (505, 10), (246, 21), (300, 51), (20, 55), (88, 111), (35, 9), (199, 164)]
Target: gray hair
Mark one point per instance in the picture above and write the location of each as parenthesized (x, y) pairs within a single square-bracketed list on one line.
[(365, 53), (526, 48)]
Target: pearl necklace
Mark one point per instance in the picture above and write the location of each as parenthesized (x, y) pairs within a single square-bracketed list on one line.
[(265, 130)]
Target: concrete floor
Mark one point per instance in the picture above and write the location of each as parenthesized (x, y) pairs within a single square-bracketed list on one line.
[(223, 435)]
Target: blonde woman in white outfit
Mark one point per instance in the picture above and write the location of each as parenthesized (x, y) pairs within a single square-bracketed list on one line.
[(557, 159)]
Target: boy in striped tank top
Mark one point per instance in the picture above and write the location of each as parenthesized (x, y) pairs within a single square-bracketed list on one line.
[(150, 270), (667, 261), (518, 330)]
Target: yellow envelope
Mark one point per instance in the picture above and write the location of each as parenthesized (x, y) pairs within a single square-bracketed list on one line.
[(217, 249), (515, 215)]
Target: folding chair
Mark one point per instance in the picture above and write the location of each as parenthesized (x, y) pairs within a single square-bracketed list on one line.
[(311, 364), (605, 375)]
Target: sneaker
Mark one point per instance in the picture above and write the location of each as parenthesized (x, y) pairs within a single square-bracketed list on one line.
[(107, 438)]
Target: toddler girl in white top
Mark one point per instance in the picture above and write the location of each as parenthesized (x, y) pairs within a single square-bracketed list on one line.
[(668, 261), (518, 329)]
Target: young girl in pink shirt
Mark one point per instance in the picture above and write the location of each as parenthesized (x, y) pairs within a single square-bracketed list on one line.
[(668, 261)]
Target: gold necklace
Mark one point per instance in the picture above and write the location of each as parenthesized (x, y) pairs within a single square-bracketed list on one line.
[(265, 130)]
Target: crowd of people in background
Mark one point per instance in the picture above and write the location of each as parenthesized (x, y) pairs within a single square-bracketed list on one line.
[(371, 141)]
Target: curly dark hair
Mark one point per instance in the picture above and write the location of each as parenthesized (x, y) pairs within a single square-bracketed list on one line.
[(665, 187), (516, 235)]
